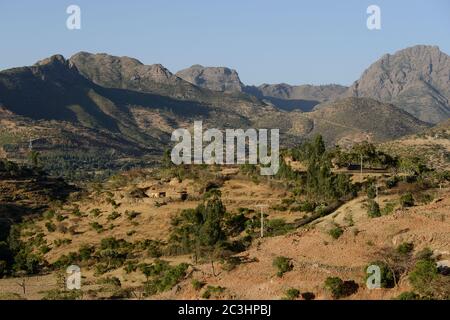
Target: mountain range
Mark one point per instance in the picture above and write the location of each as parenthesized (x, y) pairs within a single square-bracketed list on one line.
[(416, 79), (104, 102)]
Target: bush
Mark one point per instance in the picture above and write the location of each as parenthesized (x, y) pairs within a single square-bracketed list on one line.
[(291, 294), (422, 276), (392, 182), (407, 200), (339, 288), (388, 208), (409, 295), (113, 216), (197, 284), (277, 227), (283, 265), (60, 217), (371, 192), (132, 215), (211, 290), (51, 227), (308, 296), (424, 254), (96, 226), (49, 214), (85, 252), (405, 248), (305, 206), (131, 266), (95, 212), (373, 210), (336, 232), (164, 276)]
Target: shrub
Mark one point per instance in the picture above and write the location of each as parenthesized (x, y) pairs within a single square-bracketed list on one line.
[(60, 217), (424, 254), (283, 265), (291, 294), (236, 223), (408, 295), (85, 252), (211, 290), (110, 281), (96, 226), (388, 208), (307, 206), (131, 215), (60, 242), (371, 192), (392, 182), (423, 274), (405, 248), (373, 209), (336, 232), (164, 276), (113, 216), (407, 200), (131, 266), (277, 227), (197, 284), (95, 212), (308, 296), (49, 214), (339, 288), (51, 227)]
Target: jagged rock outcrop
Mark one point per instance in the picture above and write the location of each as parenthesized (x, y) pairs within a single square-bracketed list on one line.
[(213, 78), (416, 79)]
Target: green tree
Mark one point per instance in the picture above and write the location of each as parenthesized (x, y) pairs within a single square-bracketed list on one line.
[(373, 209), (34, 158)]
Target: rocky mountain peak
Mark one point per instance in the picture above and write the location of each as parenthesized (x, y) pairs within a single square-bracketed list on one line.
[(213, 78), (417, 79)]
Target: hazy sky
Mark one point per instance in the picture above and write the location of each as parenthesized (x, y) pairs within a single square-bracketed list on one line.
[(296, 42)]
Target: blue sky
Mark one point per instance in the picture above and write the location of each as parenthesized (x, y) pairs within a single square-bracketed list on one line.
[(292, 41)]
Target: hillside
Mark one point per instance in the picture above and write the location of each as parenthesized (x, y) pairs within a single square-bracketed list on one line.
[(118, 230), (432, 145), (356, 119), (95, 106), (415, 79)]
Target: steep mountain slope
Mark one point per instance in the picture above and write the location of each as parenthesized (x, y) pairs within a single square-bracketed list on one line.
[(416, 79), (350, 119), (213, 78), (53, 89), (128, 73)]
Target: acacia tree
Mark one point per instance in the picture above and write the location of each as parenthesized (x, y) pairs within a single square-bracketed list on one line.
[(200, 231)]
